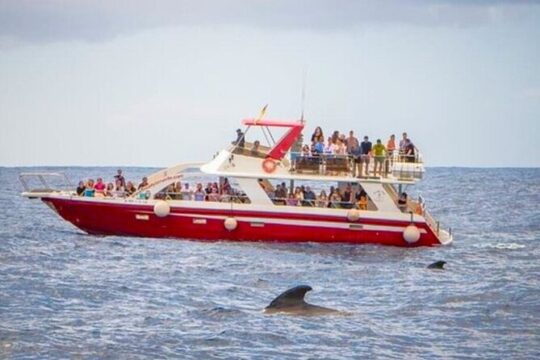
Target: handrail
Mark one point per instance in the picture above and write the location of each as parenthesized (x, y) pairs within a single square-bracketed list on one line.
[(330, 164)]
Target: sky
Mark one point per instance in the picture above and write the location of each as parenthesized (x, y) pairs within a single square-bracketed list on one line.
[(156, 83)]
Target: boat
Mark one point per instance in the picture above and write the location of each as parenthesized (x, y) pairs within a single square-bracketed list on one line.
[(249, 209)]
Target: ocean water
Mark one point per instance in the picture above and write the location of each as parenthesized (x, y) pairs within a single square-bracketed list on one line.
[(64, 294)]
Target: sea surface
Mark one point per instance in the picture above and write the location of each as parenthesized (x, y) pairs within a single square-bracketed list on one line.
[(65, 294)]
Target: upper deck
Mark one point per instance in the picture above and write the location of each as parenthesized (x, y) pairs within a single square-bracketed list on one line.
[(245, 159)]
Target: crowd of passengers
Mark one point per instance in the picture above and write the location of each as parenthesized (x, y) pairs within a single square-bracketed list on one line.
[(176, 191), (218, 192), (339, 144), (335, 198), (119, 188), (362, 152)]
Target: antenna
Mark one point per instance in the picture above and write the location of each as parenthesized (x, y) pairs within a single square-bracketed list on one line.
[(304, 76)]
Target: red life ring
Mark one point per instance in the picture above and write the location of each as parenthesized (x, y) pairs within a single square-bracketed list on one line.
[(269, 165)]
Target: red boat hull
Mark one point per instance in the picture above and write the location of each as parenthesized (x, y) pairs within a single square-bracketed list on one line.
[(103, 218)]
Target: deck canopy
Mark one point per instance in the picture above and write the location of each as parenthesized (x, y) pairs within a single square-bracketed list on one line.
[(282, 146)]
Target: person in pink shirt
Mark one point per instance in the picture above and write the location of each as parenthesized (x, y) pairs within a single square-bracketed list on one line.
[(100, 187)]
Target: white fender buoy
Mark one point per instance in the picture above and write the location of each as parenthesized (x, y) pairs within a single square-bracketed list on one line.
[(411, 234), (353, 215), (230, 223), (162, 208)]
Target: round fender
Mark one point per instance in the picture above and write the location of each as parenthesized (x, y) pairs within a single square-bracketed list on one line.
[(230, 223), (353, 215), (162, 208), (411, 234)]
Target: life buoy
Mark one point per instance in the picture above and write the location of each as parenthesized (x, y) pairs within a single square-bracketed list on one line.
[(269, 166)]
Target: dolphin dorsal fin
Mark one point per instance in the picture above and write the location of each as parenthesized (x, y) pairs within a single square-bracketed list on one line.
[(293, 296)]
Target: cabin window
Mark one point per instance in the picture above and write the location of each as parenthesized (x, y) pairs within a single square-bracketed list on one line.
[(317, 194), (196, 189)]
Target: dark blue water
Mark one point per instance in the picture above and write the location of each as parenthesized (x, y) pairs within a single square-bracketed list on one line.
[(64, 294)]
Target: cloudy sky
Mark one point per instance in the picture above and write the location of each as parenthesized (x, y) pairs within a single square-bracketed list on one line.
[(154, 83)]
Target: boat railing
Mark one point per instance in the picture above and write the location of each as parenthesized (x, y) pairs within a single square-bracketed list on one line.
[(247, 150), (36, 183), (444, 235), (226, 198), (395, 165)]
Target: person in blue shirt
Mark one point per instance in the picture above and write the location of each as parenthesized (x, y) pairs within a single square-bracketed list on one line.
[(365, 155)]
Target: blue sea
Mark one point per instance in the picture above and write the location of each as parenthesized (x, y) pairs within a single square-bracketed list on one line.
[(65, 294)]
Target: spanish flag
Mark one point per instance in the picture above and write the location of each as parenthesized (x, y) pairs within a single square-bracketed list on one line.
[(262, 113)]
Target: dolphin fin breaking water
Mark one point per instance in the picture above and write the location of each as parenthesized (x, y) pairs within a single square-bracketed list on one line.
[(292, 302), (438, 265)]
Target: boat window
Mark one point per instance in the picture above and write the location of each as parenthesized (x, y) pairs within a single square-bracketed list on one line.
[(199, 188), (317, 194)]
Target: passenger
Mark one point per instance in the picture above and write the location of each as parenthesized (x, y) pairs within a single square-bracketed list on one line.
[(362, 202), (391, 145), (335, 136), (214, 195), (119, 190), (318, 148), (339, 147), (335, 199), (89, 189), (347, 198), (80, 188), (120, 177), (332, 190), (317, 136), (255, 150), (306, 151), (298, 194), (309, 197), (351, 143), (169, 192), (365, 154), (199, 194), (109, 191), (240, 139), (143, 184), (292, 200), (130, 188), (280, 195), (99, 188), (343, 139), (187, 193), (328, 149), (208, 188), (284, 187), (390, 153), (409, 151), (402, 143), (177, 195), (296, 147), (322, 200), (379, 152), (225, 187), (402, 201)]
